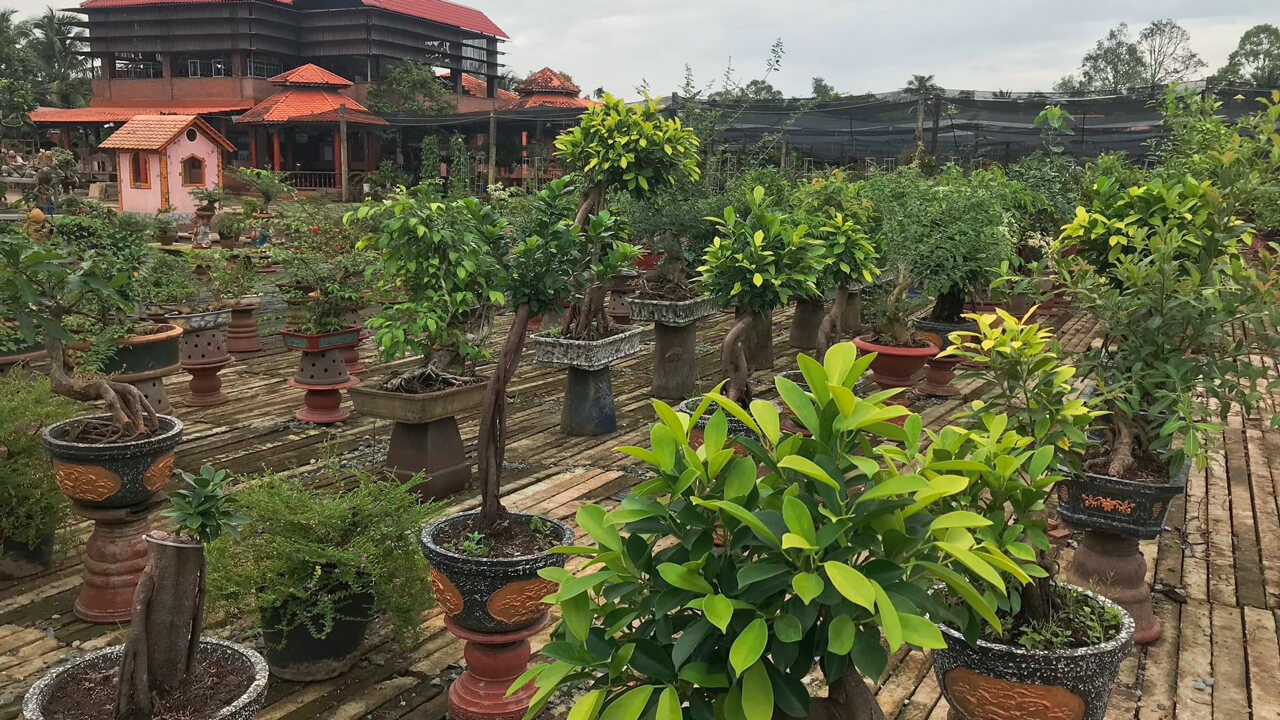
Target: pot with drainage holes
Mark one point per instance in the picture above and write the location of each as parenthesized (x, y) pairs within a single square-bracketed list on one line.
[(322, 372), (202, 352)]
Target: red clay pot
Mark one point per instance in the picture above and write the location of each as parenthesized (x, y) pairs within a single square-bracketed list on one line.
[(895, 367)]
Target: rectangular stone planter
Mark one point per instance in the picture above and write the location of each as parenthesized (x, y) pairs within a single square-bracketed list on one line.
[(416, 409), (671, 313), (587, 354)]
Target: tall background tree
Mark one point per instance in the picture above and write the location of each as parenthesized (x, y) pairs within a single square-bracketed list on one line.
[(1160, 55), (410, 88), (1256, 59), (823, 91), (923, 90), (56, 48)]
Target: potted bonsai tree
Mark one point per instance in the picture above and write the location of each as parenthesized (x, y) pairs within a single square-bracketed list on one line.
[(633, 149), (438, 258), (207, 200), (757, 262), (324, 331), (319, 566), (34, 508), (230, 226), (1162, 272), (166, 664), (269, 184), (720, 582), (839, 217), (166, 228)]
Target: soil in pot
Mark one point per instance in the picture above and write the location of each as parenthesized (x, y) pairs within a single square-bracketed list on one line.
[(218, 682), (512, 539), (1146, 468), (296, 654)]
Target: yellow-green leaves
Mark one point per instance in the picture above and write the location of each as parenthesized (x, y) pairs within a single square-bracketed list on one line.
[(718, 610), (588, 706), (629, 705), (748, 646), (807, 586), (852, 584), (684, 578), (766, 416), (668, 706), (805, 466), (757, 694)]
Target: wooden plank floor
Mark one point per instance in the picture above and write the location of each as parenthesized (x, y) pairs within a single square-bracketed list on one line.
[(1217, 566)]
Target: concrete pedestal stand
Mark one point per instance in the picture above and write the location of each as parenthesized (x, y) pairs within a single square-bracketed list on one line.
[(322, 404), (1111, 565), (205, 385), (114, 558), (493, 661), (203, 354), (675, 352), (805, 324), (588, 408)]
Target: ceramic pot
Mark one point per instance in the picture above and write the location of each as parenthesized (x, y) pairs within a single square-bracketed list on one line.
[(115, 475), (895, 367), (19, 560), (295, 654), (491, 595), (67, 677), (992, 681), (242, 330), (1125, 507)]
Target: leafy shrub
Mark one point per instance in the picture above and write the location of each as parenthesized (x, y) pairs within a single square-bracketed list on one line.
[(33, 504)]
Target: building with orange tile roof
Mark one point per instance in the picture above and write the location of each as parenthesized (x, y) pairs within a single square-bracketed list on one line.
[(163, 157)]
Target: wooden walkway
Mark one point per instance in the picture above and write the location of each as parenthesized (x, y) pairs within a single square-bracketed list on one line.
[(1217, 566)]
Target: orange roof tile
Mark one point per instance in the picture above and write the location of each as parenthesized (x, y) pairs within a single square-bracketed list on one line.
[(308, 105), (547, 80), (155, 132), (545, 99), (310, 75), (112, 114)]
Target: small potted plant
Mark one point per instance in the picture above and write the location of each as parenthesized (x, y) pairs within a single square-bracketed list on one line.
[(207, 201), (166, 228), (1162, 271), (165, 662), (324, 331), (731, 580), (757, 262), (319, 566), (269, 184), (631, 149), (230, 226), (34, 507), (438, 257)]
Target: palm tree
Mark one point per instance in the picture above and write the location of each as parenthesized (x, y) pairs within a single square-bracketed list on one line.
[(57, 46), (922, 87)]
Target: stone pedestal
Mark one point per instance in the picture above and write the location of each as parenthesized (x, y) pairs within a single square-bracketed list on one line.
[(675, 366), (433, 448), (805, 324), (1111, 565), (114, 558), (938, 374), (242, 332), (494, 661), (322, 404), (203, 354), (588, 403), (206, 386)]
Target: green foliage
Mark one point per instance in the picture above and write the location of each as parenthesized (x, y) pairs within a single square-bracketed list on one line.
[(716, 584), (1256, 59), (838, 219), (459, 167), (1053, 122), (1082, 621), (230, 224), (544, 255), (429, 158), (440, 257), (761, 260), (166, 279), (630, 147), (307, 549), (410, 88), (1056, 179), (476, 545), (209, 198), (201, 508), (270, 184), (33, 504)]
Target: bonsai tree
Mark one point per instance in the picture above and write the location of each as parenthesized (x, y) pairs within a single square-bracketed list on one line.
[(269, 184), (633, 149), (208, 198), (1171, 293), (311, 550), (168, 609), (757, 262), (81, 282), (438, 258), (230, 226), (838, 219), (722, 578), (34, 507)]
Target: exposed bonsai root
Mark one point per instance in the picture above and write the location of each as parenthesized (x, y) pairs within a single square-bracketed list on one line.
[(491, 445), (424, 380), (847, 699), (128, 407), (733, 361), (831, 329), (1122, 460)]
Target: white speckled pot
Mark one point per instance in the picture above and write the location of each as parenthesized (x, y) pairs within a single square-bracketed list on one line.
[(244, 708), (587, 354), (671, 313), (1073, 683)]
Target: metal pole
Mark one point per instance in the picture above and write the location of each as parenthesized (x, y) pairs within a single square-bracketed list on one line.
[(342, 132), (493, 147)]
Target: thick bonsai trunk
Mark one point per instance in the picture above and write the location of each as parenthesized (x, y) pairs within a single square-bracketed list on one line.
[(733, 361), (832, 327), (949, 307), (1122, 459), (591, 310), (164, 635), (129, 408), (591, 202), (847, 699), (492, 444)]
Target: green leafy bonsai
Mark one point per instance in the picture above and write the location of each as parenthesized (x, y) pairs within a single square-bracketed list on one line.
[(715, 585)]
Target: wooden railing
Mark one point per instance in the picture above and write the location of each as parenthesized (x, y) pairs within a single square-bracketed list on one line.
[(311, 179)]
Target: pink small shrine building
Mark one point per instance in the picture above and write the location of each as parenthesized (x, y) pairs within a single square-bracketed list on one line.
[(161, 158)]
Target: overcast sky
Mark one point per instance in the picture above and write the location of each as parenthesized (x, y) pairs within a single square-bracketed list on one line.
[(857, 45)]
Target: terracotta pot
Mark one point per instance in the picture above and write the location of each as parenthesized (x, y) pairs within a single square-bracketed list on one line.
[(337, 340), (1072, 683), (648, 261), (107, 660), (114, 475), (895, 367), (491, 595), (940, 371), (322, 372)]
